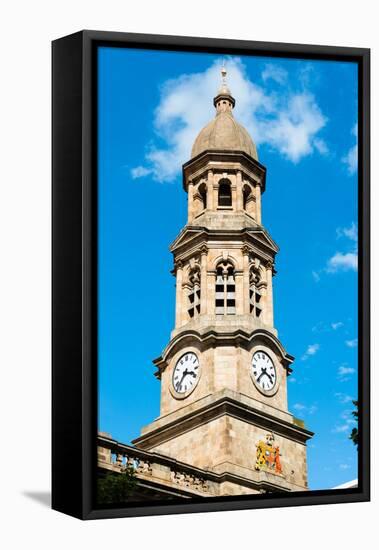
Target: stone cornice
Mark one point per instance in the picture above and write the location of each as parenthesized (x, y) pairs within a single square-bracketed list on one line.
[(196, 236), (224, 405), (214, 337)]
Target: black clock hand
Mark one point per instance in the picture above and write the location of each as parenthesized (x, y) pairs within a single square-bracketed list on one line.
[(260, 376), (269, 375), (180, 383), (185, 372), (264, 371)]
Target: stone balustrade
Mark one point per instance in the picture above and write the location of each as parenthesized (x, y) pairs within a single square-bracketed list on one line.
[(158, 469)]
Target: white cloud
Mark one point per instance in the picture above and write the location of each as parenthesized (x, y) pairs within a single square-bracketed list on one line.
[(351, 158), (319, 327), (341, 428), (312, 349), (322, 327), (348, 423), (347, 416), (274, 72), (140, 171), (343, 397), (321, 146), (344, 466), (342, 262), (287, 122), (349, 260), (294, 129), (349, 232), (308, 410), (352, 343), (344, 372)]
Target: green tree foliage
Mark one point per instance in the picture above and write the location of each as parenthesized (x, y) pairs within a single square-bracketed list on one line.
[(354, 432), (114, 488)]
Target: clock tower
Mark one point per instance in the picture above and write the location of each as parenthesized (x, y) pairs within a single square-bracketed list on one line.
[(224, 371)]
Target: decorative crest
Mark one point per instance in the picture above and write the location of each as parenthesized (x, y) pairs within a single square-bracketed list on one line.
[(268, 455)]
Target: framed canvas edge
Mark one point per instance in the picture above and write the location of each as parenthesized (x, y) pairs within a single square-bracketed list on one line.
[(67, 131), (84, 376)]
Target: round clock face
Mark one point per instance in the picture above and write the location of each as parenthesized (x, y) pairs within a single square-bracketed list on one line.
[(186, 373), (263, 371)]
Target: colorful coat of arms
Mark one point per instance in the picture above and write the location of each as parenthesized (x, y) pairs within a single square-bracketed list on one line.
[(268, 455)]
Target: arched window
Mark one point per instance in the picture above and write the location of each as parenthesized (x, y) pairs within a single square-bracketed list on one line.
[(203, 194), (225, 289), (254, 292), (246, 196), (224, 193), (194, 293)]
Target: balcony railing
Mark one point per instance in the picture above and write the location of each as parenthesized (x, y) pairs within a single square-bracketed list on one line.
[(159, 469)]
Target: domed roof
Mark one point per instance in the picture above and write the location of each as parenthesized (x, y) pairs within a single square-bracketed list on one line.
[(224, 132)]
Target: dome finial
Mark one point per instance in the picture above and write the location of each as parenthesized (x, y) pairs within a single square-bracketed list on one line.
[(223, 73), (224, 86), (224, 93)]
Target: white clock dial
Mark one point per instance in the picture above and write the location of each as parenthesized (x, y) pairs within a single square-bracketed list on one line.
[(263, 371), (186, 373)]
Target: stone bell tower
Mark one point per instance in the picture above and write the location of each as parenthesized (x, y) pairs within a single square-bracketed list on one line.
[(224, 372)]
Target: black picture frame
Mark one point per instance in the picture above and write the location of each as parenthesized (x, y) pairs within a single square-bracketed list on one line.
[(74, 271)]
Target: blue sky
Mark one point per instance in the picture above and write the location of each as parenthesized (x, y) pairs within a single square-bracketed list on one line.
[(302, 115)]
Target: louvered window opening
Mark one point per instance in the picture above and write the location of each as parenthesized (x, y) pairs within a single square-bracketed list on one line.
[(224, 193), (225, 291), (255, 296), (194, 295)]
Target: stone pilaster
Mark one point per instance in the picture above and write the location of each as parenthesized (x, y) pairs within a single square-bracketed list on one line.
[(269, 309), (203, 280), (210, 197), (211, 291), (258, 209), (234, 196), (179, 293), (245, 252), (190, 201), (239, 205)]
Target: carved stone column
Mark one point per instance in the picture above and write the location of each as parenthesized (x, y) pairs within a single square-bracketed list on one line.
[(210, 197), (215, 193), (269, 314), (239, 206), (258, 203), (211, 292), (179, 293), (234, 196), (240, 294), (190, 201), (245, 252), (203, 280)]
